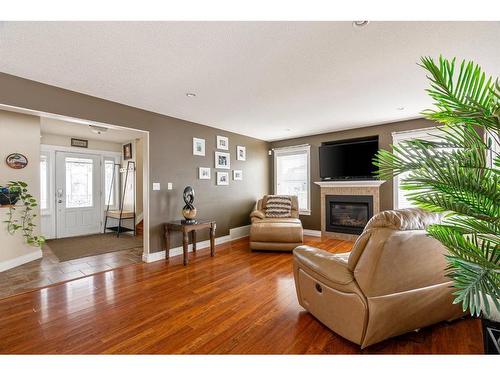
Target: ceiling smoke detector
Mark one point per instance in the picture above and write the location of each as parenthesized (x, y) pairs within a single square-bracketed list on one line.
[(360, 23), (98, 129)]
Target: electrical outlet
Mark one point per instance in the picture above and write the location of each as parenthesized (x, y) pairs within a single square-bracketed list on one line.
[(170, 186), (156, 186)]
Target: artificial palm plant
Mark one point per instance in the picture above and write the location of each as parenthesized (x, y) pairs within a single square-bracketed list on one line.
[(459, 175)]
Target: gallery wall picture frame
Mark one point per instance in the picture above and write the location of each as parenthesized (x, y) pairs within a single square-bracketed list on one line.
[(222, 178), (16, 160), (83, 143), (241, 153), (127, 151), (198, 146), (204, 173), (222, 160), (222, 143), (237, 175)]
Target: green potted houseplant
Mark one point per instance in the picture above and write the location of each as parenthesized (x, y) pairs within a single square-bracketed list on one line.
[(8, 196), (13, 192), (459, 176)]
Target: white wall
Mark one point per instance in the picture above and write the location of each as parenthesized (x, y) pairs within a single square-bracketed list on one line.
[(19, 133), (63, 140)]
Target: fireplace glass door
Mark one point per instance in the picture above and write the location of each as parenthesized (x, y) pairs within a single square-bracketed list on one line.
[(353, 215), (348, 213)]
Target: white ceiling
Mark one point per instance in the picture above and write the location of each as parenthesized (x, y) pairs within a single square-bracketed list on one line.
[(72, 129), (269, 80)]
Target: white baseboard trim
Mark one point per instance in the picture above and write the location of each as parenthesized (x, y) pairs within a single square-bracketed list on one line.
[(11, 263), (234, 234), (239, 232), (311, 232)]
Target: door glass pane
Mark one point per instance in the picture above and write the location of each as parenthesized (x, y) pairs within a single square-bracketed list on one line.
[(43, 183), (109, 170), (79, 182), (291, 175)]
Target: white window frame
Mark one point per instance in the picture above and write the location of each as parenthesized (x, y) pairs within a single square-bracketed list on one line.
[(116, 185), (49, 156), (294, 150), (398, 137)]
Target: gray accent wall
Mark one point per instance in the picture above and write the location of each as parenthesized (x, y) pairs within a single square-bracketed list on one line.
[(171, 158), (384, 132)]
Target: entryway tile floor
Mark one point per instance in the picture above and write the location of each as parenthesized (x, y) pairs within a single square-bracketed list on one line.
[(49, 270)]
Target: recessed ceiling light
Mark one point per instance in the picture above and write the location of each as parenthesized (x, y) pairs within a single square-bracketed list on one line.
[(360, 23), (400, 108), (190, 94)]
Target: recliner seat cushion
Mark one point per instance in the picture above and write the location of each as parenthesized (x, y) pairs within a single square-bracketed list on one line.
[(277, 230)]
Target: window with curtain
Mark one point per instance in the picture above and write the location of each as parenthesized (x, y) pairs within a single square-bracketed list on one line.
[(109, 172), (44, 182), (291, 174), (430, 134)]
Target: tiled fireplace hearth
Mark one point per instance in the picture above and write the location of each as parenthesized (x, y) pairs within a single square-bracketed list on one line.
[(346, 207)]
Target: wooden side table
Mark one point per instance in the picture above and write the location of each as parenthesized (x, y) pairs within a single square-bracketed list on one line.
[(181, 226)]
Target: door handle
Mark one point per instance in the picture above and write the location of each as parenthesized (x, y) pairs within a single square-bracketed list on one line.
[(60, 194)]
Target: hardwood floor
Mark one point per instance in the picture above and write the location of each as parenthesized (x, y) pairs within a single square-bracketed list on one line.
[(49, 270), (237, 302)]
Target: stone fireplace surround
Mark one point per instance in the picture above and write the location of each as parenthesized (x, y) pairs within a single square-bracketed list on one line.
[(356, 188)]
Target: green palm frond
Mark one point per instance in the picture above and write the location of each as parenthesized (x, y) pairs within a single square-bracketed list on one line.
[(464, 100), (454, 175)]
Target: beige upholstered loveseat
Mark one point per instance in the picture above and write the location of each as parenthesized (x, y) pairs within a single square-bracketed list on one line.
[(392, 282), (275, 233)]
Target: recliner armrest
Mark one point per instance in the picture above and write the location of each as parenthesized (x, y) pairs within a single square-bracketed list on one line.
[(257, 214), (331, 266)]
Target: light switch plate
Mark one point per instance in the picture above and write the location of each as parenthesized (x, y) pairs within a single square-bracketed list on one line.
[(156, 186), (170, 186)]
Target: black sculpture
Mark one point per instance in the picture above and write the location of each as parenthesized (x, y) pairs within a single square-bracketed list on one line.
[(189, 210)]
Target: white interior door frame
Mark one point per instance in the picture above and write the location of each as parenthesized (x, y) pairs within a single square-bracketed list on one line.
[(48, 216), (144, 134)]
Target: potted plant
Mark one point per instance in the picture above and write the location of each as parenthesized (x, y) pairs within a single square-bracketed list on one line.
[(8, 196), (459, 175), (18, 191)]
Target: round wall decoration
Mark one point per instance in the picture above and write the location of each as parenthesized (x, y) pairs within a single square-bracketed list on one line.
[(16, 161)]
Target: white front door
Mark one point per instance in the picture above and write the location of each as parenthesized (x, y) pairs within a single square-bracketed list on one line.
[(78, 194)]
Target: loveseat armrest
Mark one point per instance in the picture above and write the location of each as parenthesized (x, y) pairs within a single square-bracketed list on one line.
[(331, 266)]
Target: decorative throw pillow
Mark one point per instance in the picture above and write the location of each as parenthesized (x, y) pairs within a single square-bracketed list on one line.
[(278, 206)]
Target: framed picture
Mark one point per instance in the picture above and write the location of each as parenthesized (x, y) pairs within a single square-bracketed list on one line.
[(237, 175), (222, 178), (75, 142), (222, 143), (16, 161), (222, 160), (199, 146), (204, 173), (241, 153), (127, 151)]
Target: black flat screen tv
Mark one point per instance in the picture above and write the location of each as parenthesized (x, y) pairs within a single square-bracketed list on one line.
[(350, 159)]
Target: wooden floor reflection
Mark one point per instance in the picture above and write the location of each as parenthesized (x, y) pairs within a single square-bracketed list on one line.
[(237, 302)]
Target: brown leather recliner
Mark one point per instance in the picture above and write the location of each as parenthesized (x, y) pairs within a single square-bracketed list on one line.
[(280, 234), (392, 282)]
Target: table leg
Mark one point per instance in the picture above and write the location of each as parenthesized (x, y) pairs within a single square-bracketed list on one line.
[(212, 239), (167, 243), (185, 242), (193, 240)]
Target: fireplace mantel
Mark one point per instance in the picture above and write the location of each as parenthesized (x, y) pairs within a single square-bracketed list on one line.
[(348, 187), (350, 183)]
